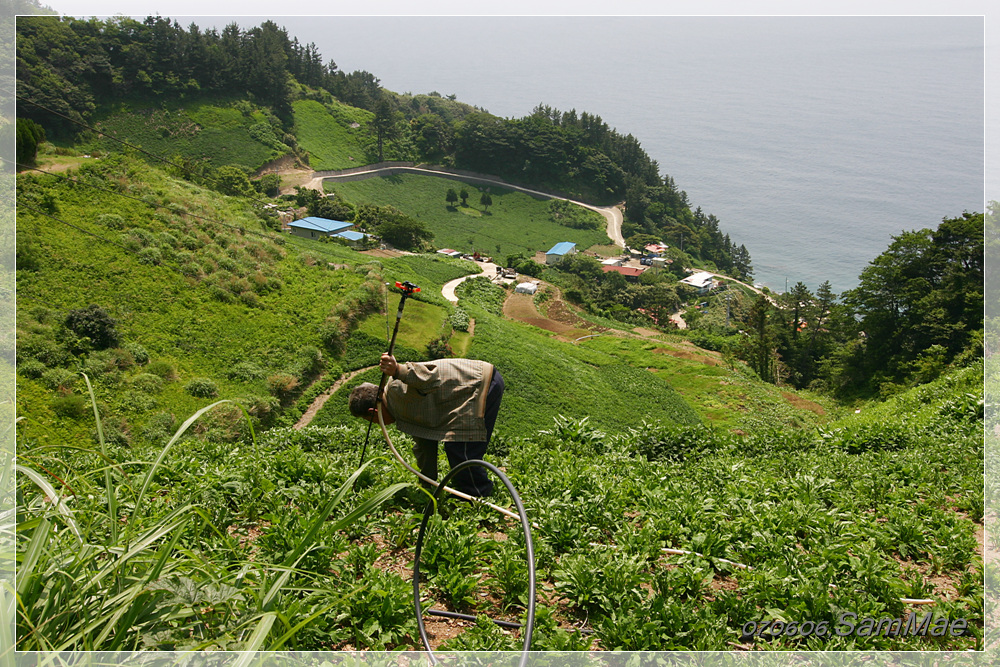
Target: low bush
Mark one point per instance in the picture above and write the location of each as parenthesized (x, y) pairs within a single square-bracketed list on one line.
[(71, 406), (165, 368), (202, 388), (95, 324), (32, 368), (282, 385), (459, 320), (147, 383), (59, 379), (246, 371)]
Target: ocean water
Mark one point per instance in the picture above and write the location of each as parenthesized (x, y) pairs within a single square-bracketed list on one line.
[(812, 139)]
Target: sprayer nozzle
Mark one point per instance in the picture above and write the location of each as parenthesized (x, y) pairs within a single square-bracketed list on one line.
[(407, 287)]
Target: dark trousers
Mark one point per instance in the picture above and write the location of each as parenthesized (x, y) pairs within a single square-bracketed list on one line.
[(473, 481)]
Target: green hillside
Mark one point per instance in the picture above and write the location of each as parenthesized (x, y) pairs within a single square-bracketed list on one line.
[(196, 299), (199, 290), (170, 337), (213, 131)]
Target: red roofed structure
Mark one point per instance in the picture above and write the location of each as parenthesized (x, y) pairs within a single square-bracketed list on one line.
[(627, 271)]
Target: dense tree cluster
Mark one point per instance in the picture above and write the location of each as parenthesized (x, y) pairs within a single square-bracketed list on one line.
[(70, 65), (392, 226), (918, 308)]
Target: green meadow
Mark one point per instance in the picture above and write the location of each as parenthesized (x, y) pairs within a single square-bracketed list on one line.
[(514, 223)]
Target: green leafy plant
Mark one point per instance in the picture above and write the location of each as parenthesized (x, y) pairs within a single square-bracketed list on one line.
[(124, 583)]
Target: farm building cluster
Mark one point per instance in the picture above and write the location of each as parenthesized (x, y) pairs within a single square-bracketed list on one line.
[(316, 228), (631, 265)]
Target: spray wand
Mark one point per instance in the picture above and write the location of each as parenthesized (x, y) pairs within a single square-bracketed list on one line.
[(407, 289)]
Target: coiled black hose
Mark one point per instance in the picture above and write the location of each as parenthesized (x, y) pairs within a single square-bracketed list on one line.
[(529, 623)]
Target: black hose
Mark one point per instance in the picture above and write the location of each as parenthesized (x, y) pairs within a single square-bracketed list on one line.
[(529, 623), (513, 625)]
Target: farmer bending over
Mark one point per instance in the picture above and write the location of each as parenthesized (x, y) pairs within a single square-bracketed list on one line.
[(454, 401)]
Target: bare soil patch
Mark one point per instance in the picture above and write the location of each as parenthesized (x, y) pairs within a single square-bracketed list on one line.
[(560, 320), (649, 333), (688, 355), (383, 253), (804, 404), (560, 311)]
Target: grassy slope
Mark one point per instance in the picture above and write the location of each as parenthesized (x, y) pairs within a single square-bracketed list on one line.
[(209, 130), (326, 132), (217, 336), (175, 317), (720, 396), (546, 378), (181, 319), (517, 222)]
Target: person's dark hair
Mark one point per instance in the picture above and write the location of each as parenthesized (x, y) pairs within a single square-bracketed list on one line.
[(362, 399)]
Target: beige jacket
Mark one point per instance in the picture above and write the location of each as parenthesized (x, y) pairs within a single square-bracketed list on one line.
[(442, 400)]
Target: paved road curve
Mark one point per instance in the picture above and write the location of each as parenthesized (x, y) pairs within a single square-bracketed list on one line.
[(448, 290)]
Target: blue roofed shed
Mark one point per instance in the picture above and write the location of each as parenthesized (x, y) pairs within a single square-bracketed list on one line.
[(559, 251), (352, 237), (313, 227)]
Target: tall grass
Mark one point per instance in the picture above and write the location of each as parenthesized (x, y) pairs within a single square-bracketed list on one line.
[(104, 567)]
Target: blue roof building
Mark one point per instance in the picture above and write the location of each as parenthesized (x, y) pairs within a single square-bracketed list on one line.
[(352, 237), (313, 227), (559, 251)]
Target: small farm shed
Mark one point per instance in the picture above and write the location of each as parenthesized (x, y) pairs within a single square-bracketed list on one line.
[(526, 288), (449, 252), (313, 227), (702, 281), (559, 251), (353, 238)]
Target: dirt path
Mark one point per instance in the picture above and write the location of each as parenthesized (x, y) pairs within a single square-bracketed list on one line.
[(309, 414)]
